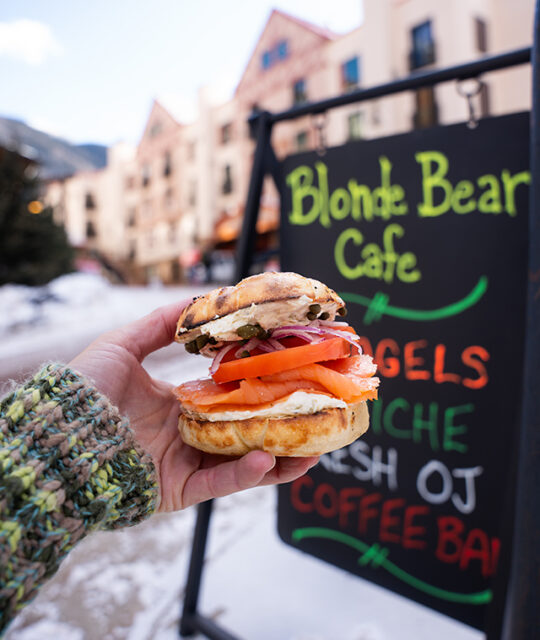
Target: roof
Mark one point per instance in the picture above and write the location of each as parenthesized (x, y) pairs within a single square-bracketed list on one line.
[(320, 31), (158, 112), (178, 107)]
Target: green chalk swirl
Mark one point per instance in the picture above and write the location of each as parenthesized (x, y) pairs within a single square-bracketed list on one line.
[(377, 556), (378, 305)]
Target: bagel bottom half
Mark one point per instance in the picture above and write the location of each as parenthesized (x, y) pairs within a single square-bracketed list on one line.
[(296, 436)]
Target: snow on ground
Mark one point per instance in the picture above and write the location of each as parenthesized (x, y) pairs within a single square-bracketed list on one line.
[(57, 321), (128, 585), (62, 301)]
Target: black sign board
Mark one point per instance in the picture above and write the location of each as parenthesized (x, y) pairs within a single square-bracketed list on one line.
[(425, 237)]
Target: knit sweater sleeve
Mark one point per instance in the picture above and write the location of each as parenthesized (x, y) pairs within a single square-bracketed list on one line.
[(69, 465)]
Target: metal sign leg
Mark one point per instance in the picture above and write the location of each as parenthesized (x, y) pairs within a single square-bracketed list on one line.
[(522, 613), (192, 621), (246, 241)]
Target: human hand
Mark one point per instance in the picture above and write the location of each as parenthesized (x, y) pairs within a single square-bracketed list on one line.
[(186, 476)]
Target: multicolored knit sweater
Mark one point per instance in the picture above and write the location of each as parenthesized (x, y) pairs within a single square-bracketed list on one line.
[(69, 465)]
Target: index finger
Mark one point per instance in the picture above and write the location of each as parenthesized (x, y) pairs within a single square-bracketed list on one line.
[(152, 332)]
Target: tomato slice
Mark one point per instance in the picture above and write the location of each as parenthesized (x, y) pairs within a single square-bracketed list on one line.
[(268, 363)]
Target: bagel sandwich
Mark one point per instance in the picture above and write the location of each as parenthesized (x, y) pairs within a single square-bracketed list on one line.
[(287, 374)]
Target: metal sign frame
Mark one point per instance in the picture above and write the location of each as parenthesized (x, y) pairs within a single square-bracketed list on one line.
[(515, 614)]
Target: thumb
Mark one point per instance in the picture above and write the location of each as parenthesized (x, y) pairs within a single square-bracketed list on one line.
[(151, 332)]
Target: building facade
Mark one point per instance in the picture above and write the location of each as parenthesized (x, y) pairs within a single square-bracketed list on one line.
[(179, 197)]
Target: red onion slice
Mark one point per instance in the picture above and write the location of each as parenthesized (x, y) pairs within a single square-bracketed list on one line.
[(219, 357), (276, 344), (309, 333), (317, 328), (331, 323), (270, 345), (310, 328), (249, 346), (350, 337), (303, 335), (265, 346)]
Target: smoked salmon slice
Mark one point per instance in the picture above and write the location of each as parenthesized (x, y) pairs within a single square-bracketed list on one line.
[(350, 379), (250, 392), (357, 366)]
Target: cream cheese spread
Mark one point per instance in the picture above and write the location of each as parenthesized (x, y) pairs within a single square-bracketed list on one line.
[(298, 403)]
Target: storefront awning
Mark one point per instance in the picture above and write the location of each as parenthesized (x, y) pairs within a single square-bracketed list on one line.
[(228, 228)]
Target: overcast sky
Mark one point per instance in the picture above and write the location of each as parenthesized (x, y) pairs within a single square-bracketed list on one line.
[(88, 71)]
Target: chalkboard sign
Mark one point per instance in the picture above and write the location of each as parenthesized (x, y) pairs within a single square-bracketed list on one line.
[(425, 237)]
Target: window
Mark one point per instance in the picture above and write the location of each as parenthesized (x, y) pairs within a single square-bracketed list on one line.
[(350, 73), (168, 199), (427, 113), (132, 251), (90, 230), (282, 50), (227, 185), (480, 28), (266, 61), (176, 273), (301, 141), (354, 126), (156, 129), (226, 133), (89, 201), (167, 164), (132, 217), (278, 52), (192, 199), (299, 92), (172, 232), (423, 46), (130, 182), (146, 174)]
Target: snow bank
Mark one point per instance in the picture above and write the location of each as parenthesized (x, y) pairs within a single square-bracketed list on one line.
[(79, 288), (61, 301), (58, 321)]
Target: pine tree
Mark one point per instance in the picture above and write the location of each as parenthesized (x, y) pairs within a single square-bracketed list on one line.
[(34, 249)]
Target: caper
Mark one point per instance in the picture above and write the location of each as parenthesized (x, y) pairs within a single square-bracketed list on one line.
[(212, 340), (201, 341), (249, 330), (342, 311), (311, 315), (191, 347), (315, 308), (324, 316)]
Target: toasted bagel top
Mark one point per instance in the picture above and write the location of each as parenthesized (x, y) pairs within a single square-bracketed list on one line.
[(254, 292)]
